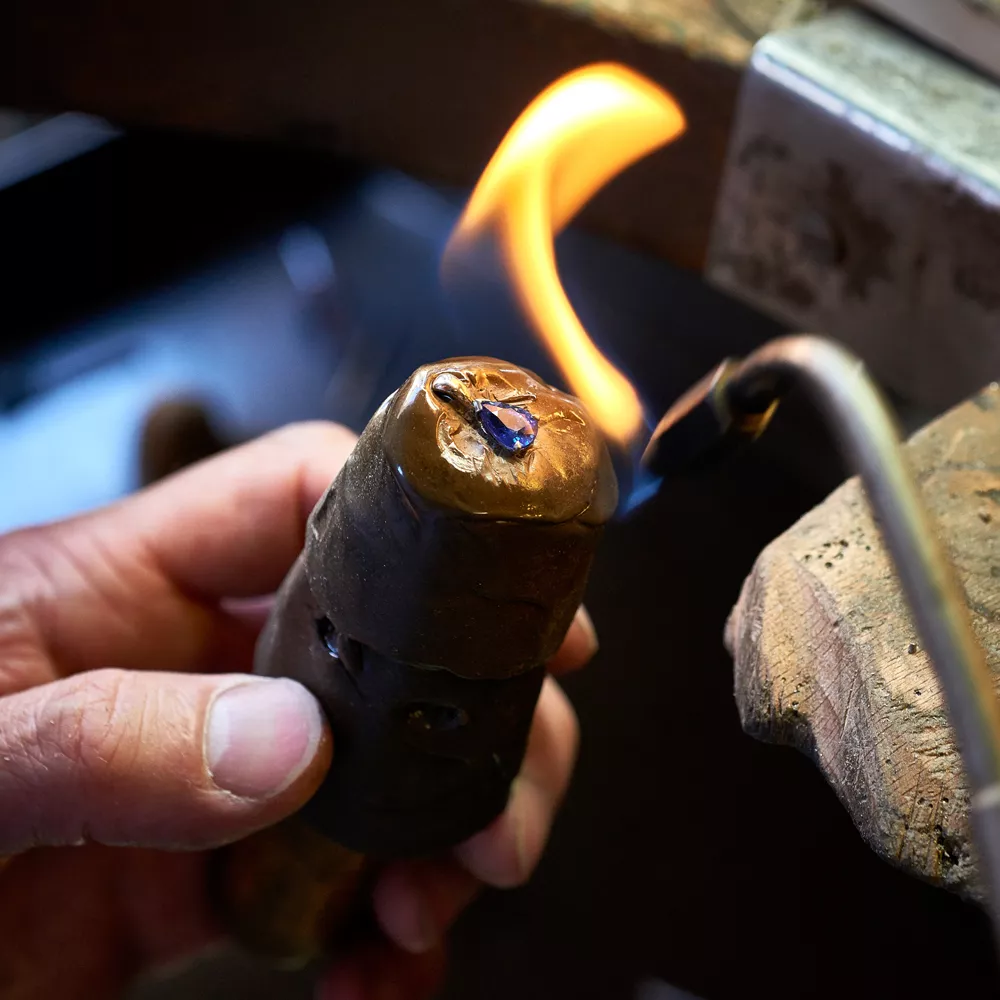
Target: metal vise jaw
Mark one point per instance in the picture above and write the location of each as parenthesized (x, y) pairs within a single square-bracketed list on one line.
[(862, 199)]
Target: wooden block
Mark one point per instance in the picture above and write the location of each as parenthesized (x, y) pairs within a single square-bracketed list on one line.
[(827, 658), (428, 87)]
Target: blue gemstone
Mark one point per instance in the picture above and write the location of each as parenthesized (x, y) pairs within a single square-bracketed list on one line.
[(510, 428)]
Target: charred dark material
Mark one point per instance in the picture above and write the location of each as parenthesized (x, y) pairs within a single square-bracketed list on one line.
[(442, 568)]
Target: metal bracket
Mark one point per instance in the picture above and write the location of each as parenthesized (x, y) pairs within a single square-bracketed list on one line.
[(861, 199)]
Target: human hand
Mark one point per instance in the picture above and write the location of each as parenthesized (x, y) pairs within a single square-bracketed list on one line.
[(131, 740)]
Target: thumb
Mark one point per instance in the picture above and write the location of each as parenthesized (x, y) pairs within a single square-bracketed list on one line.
[(155, 759)]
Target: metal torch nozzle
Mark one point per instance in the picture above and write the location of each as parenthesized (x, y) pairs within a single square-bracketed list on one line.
[(706, 420)]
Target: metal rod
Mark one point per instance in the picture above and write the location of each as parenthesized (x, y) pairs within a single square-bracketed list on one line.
[(866, 431)]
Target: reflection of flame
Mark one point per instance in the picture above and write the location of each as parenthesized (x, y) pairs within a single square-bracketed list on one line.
[(570, 141)]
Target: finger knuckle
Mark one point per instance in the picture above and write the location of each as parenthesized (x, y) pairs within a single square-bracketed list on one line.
[(22, 567), (58, 750), (27, 558), (89, 720)]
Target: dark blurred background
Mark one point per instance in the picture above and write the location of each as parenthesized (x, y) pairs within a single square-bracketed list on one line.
[(274, 284)]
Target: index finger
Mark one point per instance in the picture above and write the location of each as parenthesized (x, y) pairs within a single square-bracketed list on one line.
[(233, 525), (138, 584)]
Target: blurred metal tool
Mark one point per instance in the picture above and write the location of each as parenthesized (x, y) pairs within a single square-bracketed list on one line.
[(176, 433), (31, 144)]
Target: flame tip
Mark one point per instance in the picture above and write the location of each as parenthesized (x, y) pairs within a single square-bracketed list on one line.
[(569, 142)]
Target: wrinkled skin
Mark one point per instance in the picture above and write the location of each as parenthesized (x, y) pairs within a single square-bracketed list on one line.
[(118, 630)]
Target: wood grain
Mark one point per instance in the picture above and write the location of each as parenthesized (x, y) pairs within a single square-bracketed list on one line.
[(827, 658)]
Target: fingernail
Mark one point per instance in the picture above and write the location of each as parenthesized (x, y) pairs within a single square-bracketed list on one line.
[(412, 927), (499, 855), (586, 624), (261, 735)]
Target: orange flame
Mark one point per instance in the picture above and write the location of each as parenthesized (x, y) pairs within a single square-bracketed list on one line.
[(571, 140)]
